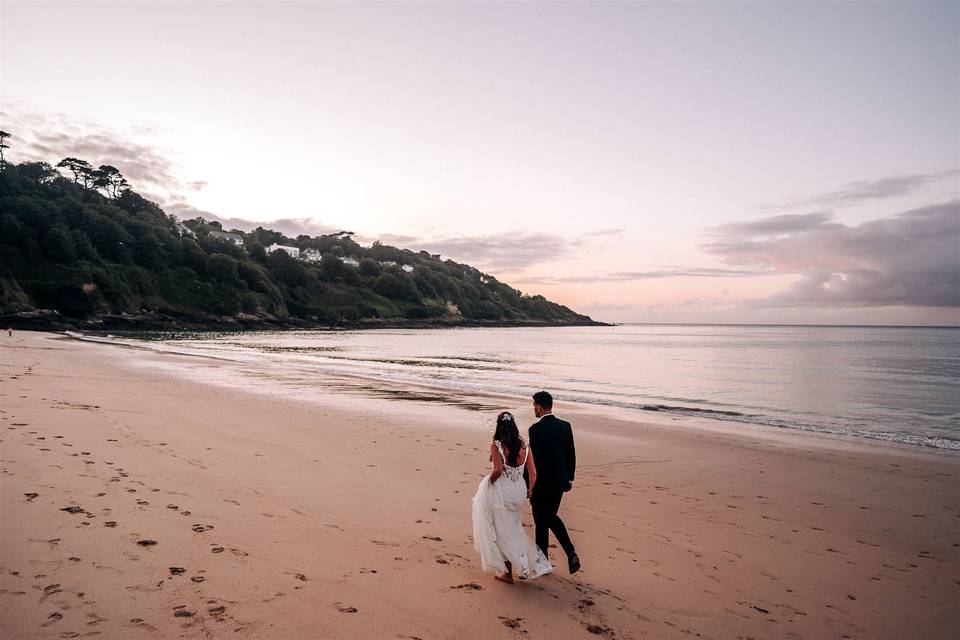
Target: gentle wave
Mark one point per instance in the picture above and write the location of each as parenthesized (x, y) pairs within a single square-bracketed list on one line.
[(893, 385)]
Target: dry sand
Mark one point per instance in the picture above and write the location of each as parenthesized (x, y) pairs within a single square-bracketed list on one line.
[(344, 517)]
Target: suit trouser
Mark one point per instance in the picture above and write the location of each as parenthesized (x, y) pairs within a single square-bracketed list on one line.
[(545, 506)]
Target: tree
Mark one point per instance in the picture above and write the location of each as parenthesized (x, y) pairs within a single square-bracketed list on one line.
[(81, 169), (110, 179), (331, 267), (286, 269), (38, 172), (369, 268), (58, 246), (9, 228), (3, 145), (396, 286), (222, 267), (257, 252)]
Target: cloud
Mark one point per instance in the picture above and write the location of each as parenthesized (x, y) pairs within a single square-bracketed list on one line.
[(667, 272), (507, 252), (786, 223), (910, 259), (864, 190), (292, 227), (602, 307), (50, 137)]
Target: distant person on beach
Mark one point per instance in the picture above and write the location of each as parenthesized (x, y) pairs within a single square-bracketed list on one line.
[(551, 440), (10, 332), (497, 529)]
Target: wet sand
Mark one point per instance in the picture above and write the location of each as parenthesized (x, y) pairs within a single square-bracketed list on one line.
[(136, 504)]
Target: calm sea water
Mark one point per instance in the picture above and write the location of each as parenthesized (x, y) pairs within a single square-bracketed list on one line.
[(896, 384)]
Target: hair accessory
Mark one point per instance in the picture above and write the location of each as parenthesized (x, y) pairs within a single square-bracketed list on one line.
[(506, 415)]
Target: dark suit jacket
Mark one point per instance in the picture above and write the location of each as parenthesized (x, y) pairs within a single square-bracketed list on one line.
[(551, 441)]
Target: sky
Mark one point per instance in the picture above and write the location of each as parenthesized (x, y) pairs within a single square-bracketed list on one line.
[(639, 162)]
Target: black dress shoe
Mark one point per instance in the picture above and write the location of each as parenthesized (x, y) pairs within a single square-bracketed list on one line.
[(574, 563)]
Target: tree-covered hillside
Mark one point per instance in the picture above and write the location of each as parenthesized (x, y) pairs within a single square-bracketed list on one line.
[(84, 244)]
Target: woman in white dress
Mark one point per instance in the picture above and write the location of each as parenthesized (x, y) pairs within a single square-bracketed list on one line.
[(497, 530)]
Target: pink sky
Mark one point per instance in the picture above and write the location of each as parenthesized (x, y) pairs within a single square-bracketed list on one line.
[(639, 162)]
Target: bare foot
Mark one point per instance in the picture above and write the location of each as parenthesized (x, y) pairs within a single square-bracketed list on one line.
[(504, 577)]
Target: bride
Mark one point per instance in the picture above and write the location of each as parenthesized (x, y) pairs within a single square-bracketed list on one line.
[(497, 531)]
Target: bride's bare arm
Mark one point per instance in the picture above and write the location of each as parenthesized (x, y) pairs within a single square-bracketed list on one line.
[(497, 463), (531, 473)]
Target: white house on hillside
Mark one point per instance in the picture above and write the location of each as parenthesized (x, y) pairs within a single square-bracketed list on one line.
[(184, 230), (407, 267), (350, 262), (235, 238), (292, 251), (310, 255)]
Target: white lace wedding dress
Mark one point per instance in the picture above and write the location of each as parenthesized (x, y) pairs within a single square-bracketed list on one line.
[(497, 530)]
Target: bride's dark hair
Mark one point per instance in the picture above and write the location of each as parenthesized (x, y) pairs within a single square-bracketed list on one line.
[(509, 436)]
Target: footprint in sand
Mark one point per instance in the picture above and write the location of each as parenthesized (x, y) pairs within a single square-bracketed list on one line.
[(512, 623), (139, 622), (345, 609), (600, 630), (53, 617)]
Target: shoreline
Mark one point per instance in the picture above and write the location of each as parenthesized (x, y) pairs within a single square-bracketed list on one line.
[(351, 516), (51, 321), (660, 414)]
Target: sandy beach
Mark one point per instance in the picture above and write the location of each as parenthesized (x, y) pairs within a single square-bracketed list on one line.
[(140, 504)]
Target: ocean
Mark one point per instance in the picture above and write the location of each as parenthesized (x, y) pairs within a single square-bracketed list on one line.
[(898, 384)]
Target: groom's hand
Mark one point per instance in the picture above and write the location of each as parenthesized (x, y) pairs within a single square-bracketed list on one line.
[(570, 488)]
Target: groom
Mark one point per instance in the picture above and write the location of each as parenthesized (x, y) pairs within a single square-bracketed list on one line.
[(551, 442)]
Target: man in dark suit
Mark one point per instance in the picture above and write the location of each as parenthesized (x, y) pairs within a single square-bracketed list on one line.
[(551, 442)]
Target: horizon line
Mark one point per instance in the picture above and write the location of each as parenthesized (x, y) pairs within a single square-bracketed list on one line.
[(781, 324)]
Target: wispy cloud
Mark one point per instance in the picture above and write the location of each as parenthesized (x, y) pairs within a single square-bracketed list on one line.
[(864, 190), (50, 137), (506, 252), (291, 227), (667, 272), (773, 225), (909, 259)]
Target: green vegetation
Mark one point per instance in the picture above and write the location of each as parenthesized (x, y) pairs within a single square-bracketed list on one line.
[(86, 245)]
